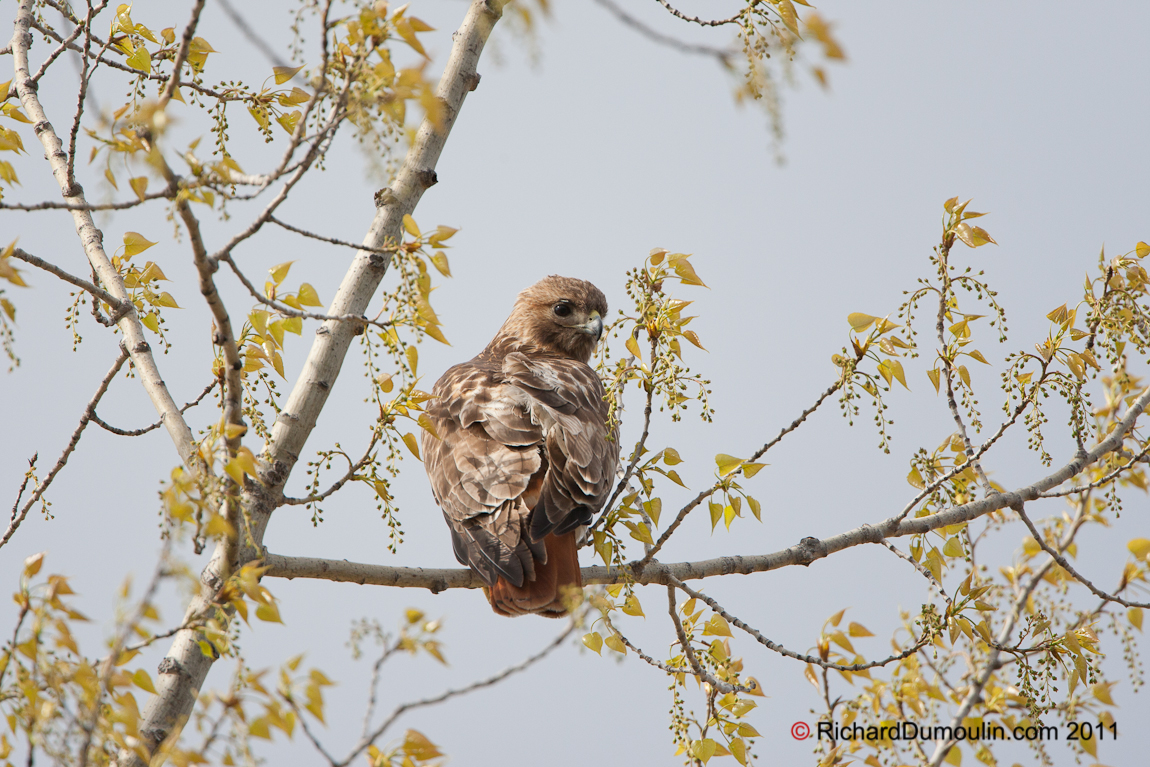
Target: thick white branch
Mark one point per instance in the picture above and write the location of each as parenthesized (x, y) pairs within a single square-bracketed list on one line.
[(183, 671)]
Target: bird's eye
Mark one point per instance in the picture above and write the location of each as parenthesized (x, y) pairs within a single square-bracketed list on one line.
[(562, 310)]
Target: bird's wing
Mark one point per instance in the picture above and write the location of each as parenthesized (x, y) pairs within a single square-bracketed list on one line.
[(480, 465), (565, 399)]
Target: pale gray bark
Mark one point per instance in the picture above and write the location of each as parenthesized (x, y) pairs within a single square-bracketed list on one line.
[(183, 671), (803, 553)]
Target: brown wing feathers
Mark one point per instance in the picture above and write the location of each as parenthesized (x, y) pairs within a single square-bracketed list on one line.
[(523, 456)]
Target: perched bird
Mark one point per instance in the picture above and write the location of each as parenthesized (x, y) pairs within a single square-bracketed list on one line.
[(521, 456)]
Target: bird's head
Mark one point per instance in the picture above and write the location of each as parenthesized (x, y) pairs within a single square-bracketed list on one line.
[(561, 315)]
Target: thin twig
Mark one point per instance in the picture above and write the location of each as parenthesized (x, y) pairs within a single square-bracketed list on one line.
[(689, 652), (139, 432), (1065, 565), (642, 655), (332, 240), (991, 664), (83, 284), (245, 29), (944, 294), (696, 20), (181, 55), (922, 570), (400, 710), (1099, 482), (351, 470), (640, 446), (289, 311), (683, 512), (79, 29), (922, 642), (724, 56), (42, 486), (50, 205)]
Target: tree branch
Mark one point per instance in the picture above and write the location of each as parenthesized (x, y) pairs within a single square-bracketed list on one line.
[(650, 555), (922, 642), (724, 56), (42, 486), (689, 652), (177, 692), (696, 20), (83, 284), (400, 710), (181, 55), (135, 340), (1065, 565), (803, 553), (139, 432)]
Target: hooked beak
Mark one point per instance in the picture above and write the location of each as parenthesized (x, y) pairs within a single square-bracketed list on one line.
[(593, 326)]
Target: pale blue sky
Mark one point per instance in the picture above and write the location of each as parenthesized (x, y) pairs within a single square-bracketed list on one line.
[(607, 147)]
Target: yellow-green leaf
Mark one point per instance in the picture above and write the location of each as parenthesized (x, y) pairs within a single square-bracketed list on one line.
[(280, 271), (859, 321), (1134, 614), (593, 642), (269, 612), (410, 226), (751, 469), (33, 564), (140, 59), (143, 681), (412, 444), (687, 273), (135, 243), (1142, 249), (1139, 547), (727, 463), (308, 296), (283, 74), (139, 185), (953, 548)]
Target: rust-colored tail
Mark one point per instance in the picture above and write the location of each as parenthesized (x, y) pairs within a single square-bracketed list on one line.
[(553, 581)]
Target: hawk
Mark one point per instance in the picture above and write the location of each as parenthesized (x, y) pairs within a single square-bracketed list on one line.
[(521, 457)]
